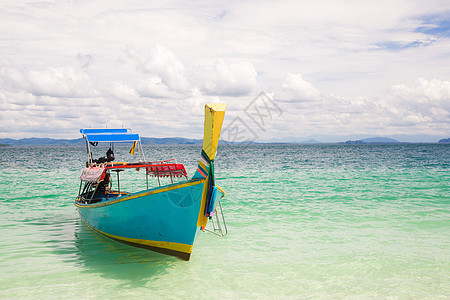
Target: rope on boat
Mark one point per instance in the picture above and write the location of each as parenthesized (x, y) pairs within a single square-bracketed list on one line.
[(211, 189)]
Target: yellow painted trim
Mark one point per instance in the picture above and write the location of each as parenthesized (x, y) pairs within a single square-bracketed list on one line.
[(221, 189), (164, 245), (214, 114), (202, 219), (203, 167), (143, 194)]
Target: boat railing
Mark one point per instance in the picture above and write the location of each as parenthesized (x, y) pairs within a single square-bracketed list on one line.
[(163, 162), (218, 222), (165, 168)]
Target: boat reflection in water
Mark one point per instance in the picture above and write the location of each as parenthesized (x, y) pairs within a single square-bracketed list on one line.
[(134, 267)]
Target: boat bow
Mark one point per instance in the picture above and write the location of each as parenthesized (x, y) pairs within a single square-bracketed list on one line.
[(214, 115)]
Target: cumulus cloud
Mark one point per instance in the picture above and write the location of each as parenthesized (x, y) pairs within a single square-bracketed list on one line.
[(419, 108), (295, 88), (424, 101), (164, 63), (429, 92), (170, 76), (50, 81), (154, 87), (226, 79), (121, 91)]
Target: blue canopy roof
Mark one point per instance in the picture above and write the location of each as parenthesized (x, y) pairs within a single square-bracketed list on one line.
[(109, 135), (104, 130)]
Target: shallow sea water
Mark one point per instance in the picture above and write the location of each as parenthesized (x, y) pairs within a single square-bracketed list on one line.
[(304, 221)]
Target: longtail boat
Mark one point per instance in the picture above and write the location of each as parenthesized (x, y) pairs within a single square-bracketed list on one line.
[(166, 218)]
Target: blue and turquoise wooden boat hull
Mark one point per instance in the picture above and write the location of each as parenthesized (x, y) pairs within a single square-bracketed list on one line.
[(163, 219)]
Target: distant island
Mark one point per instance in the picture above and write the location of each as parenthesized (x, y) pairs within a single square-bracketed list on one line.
[(310, 141), (375, 140), (184, 141)]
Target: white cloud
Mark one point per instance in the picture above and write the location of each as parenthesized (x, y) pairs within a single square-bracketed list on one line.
[(153, 87), (295, 88), (425, 101), (122, 91), (51, 81), (419, 108), (222, 79), (423, 91), (169, 76), (164, 63)]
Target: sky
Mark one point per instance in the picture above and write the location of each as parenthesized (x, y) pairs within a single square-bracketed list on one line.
[(284, 68)]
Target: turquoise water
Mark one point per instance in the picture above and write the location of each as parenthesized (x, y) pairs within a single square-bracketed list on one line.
[(319, 221)]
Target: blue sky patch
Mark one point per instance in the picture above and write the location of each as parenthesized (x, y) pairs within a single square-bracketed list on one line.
[(399, 45), (438, 26)]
